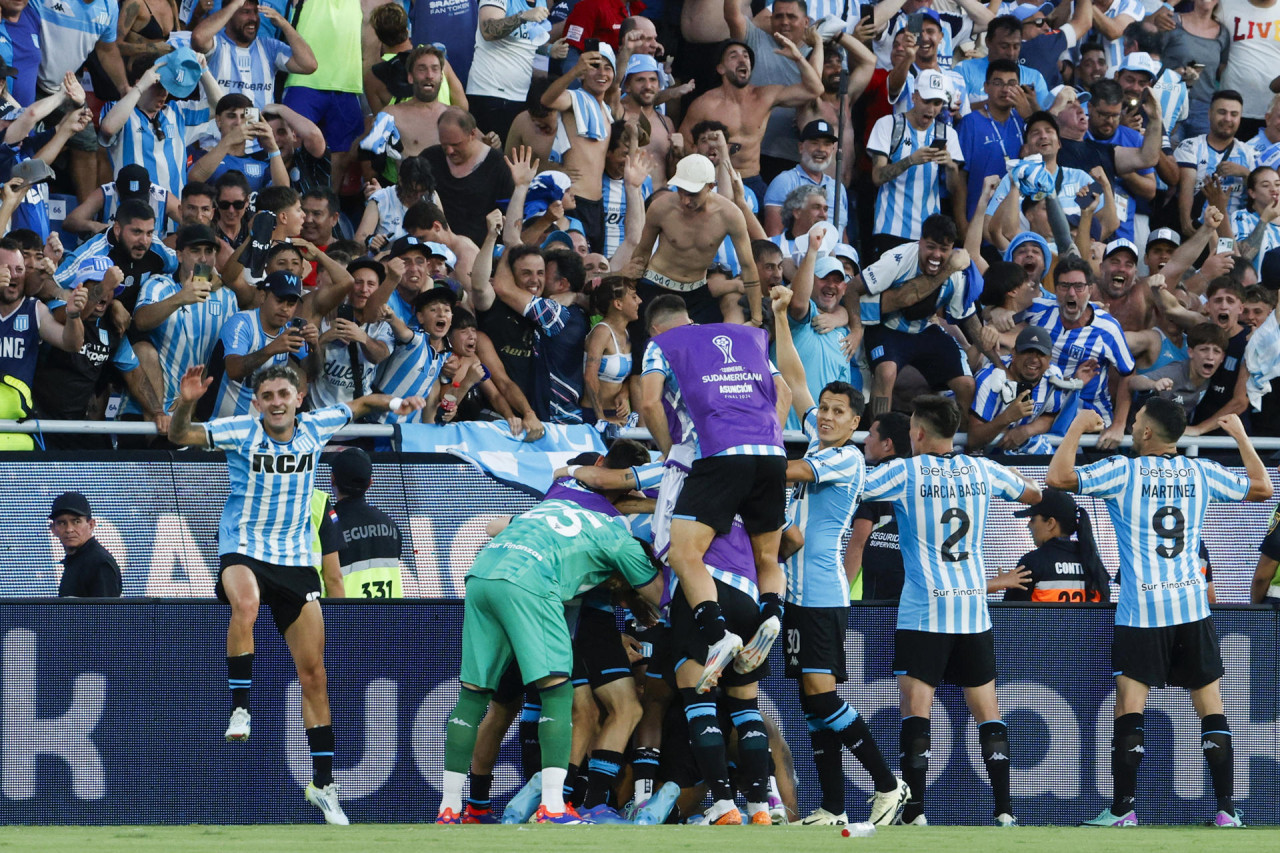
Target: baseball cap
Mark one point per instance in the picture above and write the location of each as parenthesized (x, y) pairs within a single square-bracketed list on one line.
[(818, 129), (932, 86), (1116, 245), (7, 70), (844, 250), (196, 235), (406, 244), (440, 293), (1167, 235), (545, 188), (693, 172), (179, 72), (133, 181), (640, 63), (283, 284), (1082, 98), (1026, 11), (1054, 503), (34, 171), (607, 52), (1034, 338), (351, 471), (555, 237), (826, 265), (932, 15), (438, 250), (728, 43), (91, 269), (1139, 61), (71, 502), (368, 264)]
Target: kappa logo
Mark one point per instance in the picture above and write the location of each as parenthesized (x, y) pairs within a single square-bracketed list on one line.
[(753, 734), (1139, 748), (546, 719), (998, 756), (1208, 744), (724, 343), (458, 721), (713, 730)]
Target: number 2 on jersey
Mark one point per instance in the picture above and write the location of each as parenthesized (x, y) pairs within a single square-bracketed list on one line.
[(949, 554)]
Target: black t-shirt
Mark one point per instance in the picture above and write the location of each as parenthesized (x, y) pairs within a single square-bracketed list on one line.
[(67, 381), (365, 533), (308, 172), (1085, 154), (1057, 575), (90, 572), (515, 337), (1222, 385), (468, 200), (1042, 52), (882, 571), (1270, 547)]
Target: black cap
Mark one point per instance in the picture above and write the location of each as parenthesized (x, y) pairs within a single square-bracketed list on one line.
[(351, 471), (283, 284), (409, 243), (818, 129), (71, 502), (1034, 338), (1054, 503), (728, 43), (133, 181), (440, 293), (368, 264), (196, 235)]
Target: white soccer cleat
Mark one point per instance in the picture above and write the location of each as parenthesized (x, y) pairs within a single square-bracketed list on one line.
[(718, 657), (822, 817), (326, 800), (886, 805), (238, 728), (756, 651), (918, 820), (1006, 819)]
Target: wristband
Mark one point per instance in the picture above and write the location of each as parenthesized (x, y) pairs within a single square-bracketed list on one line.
[(395, 403), (573, 471), (275, 153), (71, 316)]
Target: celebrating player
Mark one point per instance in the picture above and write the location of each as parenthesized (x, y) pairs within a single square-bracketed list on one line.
[(1164, 633), (829, 479), (941, 499), (265, 541)]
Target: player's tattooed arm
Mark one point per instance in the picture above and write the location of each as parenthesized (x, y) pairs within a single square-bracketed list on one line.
[(181, 430)]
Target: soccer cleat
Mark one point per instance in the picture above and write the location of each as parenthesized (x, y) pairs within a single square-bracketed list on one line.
[(918, 820), (655, 811), (238, 728), (567, 817), (777, 811), (1228, 821), (602, 813), (756, 651), (886, 805), (326, 800), (718, 657), (1129, 818), (822, 817), (723, 813), (471, 815), (1006, 819), (450, 817), (761, 818), (521, 807)]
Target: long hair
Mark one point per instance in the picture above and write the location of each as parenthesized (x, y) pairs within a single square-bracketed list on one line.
[(1096, 579)]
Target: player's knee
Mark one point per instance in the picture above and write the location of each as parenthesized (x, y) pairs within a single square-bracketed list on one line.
[(312, 678)]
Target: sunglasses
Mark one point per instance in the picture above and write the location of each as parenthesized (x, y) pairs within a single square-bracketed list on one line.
[(227, 205), (1039, 22)]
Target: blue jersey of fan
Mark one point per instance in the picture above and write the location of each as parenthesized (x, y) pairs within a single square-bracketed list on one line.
[(823, 510), (941, 503), (1157, 504), (268, 514)]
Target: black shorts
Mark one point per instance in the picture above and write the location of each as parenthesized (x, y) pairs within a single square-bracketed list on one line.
[(510, 686), (814, 638), (284, 589), (968, 660), (590, 212), (598, 655), (1270, 547), (741, 616), (933, 352), (702, 306), (659, 664), (720, 487), (1185, 655)]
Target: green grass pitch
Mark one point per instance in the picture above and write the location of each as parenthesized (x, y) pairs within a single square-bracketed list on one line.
[(393, 838)]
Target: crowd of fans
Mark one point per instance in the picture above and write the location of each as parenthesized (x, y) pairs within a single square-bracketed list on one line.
[(1034, 208)]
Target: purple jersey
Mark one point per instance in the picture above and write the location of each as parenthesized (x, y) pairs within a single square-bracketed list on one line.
[(724, 382), (568, 489)]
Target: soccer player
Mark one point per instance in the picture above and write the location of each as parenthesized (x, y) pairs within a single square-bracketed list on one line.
[(516, 591), (829, 481), (1164, 634), (941, 499), (265, 541)]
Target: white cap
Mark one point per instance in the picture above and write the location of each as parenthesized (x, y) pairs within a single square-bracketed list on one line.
[(1081, 97), (1166, 234), (932, 86), (693, 173), (1116, 245), (1139, 61)]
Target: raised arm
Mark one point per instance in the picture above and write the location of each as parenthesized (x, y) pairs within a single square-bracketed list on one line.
[(736, 20), (789, 362), (1062, 468), (303, 60), (182, 430), (810, 85), (205, 33), (482, 294)]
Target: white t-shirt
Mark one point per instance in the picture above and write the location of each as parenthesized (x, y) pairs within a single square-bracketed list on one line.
[(503, 68), (1254, 55)]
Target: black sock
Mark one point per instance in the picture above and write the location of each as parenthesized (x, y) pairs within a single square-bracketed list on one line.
[(993, 737), (644, 763), (240, 679), (848, 725), (770, 605), (707, 740), (1127, 749), (827, 758), (1215, 740), (602, 777), (913, 758), (320, 739), (753, 746), (478, 790), (710, 622), (578, 787), (570, 779), (530, 746)]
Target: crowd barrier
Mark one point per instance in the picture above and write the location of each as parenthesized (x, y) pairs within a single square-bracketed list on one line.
[(158, 514), (113, 713)]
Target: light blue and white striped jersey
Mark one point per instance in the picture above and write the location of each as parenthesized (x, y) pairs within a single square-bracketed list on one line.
[(1157, 504), (685, 448), (823, 510), (727, 256), (249, 71), (158, 199), (241, 335), (268, 514), (1196, 153), (159, 146), (186, 337), (941, 503), (898, 265), (996, 391), (1171, 94), (99, 244), (1115, 47), (883, 44), (912, 197), (613, 196), (410, 371), (68, 34), (1068, 182), (391, 212), (1102, 339), (591, 118), (1242, 224)]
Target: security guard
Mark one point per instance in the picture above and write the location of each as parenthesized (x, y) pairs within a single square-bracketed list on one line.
[(369, 550)]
